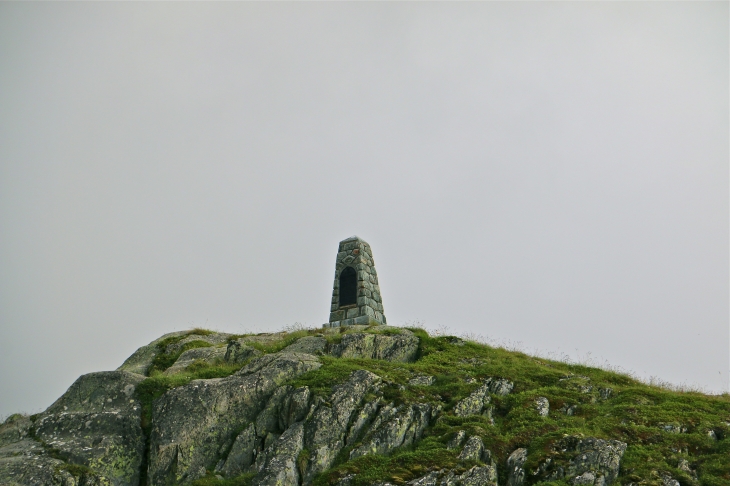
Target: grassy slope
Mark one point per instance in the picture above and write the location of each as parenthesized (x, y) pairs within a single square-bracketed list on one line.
[(661, 427)]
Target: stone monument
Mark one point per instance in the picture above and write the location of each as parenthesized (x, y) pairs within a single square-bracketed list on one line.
[(355, 293)]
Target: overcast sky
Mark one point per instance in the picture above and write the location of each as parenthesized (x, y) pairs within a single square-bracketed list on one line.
[(551, 175)]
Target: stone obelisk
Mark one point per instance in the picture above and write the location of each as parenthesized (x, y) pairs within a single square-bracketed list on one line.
[(355, 293)]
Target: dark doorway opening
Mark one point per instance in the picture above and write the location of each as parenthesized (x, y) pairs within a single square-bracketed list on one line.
[(348, 286)]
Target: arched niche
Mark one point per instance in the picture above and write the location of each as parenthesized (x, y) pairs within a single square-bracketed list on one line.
[(348, 286)]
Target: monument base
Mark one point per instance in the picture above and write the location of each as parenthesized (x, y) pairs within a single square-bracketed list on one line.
[(355, 321)]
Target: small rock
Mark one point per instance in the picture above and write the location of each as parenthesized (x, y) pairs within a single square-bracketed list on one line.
[(308, 344), (667, 480), (585, 478), (457, 440), (711, 434), (605, 393), (346, 481), (239, 352), (515, 470), (543, 406), (431, 479), (422, 381), (673, 428), (499, 386), (568, 409), (578, 383), (474, 450), (479, 476), (684, 466), (475, 403)]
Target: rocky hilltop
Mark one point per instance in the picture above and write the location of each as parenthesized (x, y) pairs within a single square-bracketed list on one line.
[(360, 405)]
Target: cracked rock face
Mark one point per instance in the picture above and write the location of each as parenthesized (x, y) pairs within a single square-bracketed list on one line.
[(328, 426), (96, 423), (193, 422), (394, 427), (597, 456), (402, 347), (277, 465), (24, 461)]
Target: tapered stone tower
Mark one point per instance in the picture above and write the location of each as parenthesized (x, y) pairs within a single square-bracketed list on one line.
[(355, 293)]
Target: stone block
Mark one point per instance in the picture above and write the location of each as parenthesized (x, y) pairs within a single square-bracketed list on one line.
[(353, 312)]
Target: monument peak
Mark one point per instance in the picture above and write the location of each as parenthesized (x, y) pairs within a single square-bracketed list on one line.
[(355, 293)]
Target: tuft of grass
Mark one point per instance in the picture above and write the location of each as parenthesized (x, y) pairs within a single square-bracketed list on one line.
[(164, 360), (401, 466), (275, 346), (211, 480), (78, 470)]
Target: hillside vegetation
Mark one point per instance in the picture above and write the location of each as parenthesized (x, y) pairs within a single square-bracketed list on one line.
[(363, 406)]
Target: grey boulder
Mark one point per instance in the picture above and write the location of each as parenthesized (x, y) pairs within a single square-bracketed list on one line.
[(401, 347)]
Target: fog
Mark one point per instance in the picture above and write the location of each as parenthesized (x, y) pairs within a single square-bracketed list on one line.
[(552, 177)]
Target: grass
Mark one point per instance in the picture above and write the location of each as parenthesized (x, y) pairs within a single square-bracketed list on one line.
[(211, 480)]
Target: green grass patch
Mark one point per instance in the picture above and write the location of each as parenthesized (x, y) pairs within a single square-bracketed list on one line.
[(211, 480), (164, 360), (401, 466)]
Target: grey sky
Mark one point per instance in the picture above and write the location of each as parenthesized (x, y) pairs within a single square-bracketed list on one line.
[(554, 174)]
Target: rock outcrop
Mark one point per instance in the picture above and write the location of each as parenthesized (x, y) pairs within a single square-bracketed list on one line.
[(334, 406)]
